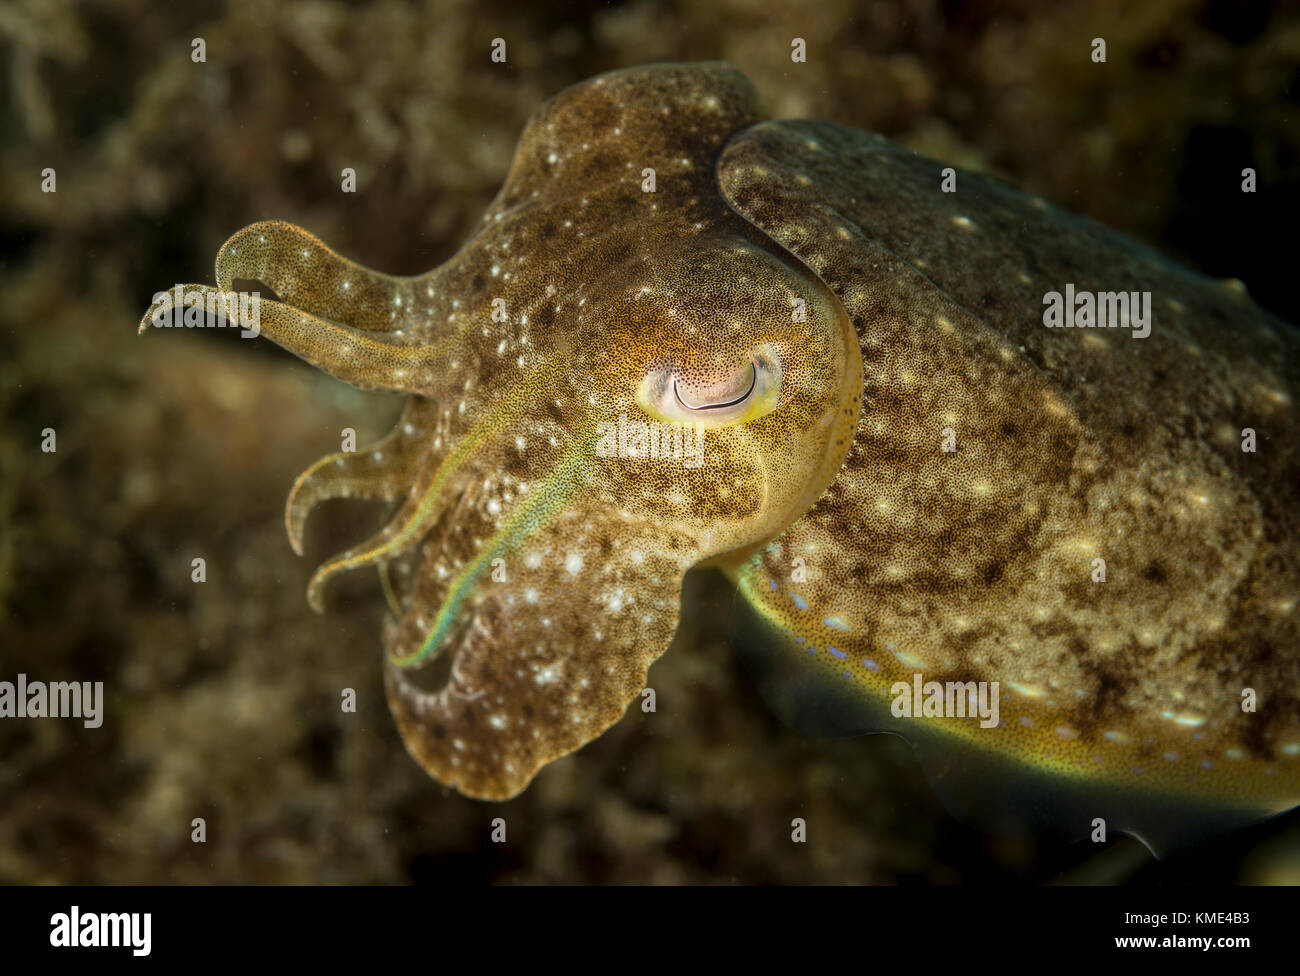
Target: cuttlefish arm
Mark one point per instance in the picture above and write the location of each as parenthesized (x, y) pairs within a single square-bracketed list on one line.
[(362, 326), (383, 472)]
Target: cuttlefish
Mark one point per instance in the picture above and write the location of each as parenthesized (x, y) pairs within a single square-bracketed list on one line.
[(844, 375)]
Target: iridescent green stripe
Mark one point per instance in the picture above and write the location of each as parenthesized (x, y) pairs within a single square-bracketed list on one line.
[(555, 490)]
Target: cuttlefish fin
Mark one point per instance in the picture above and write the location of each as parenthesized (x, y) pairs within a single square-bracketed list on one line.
[(1000, 792), (544, 657)]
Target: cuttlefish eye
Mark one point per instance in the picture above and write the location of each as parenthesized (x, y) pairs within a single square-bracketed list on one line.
[(736, 397)]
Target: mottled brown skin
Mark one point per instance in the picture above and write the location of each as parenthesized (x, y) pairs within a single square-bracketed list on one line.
[(973, 564), (1071, 445)]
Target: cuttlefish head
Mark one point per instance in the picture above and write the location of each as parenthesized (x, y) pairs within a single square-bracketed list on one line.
[(671, 422), (616, 379)]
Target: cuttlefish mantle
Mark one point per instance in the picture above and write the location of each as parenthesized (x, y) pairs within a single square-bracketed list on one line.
[(903, 470)]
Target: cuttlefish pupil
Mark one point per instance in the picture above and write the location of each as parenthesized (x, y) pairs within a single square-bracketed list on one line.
[(741, 397), (722, 405), (907, 472)]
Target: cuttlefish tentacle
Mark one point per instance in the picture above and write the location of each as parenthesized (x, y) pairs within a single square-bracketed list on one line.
[(419, 513), (307, 274), (383, 472)]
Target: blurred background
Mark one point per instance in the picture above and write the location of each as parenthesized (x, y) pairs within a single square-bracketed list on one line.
[(223, 698)]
